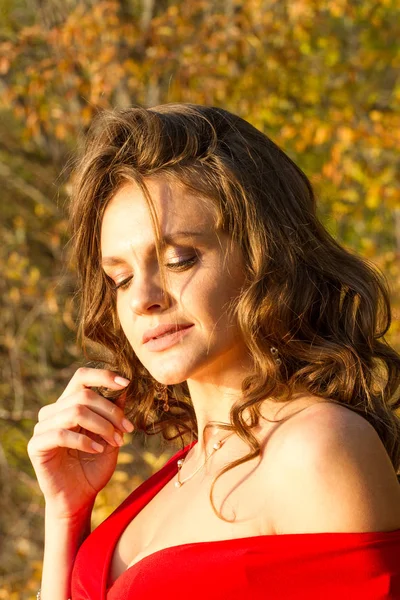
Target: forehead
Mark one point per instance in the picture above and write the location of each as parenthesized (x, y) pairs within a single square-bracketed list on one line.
[(127, 221)]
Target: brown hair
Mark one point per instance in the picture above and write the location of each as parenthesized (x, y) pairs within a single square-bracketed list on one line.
[(325, 309)]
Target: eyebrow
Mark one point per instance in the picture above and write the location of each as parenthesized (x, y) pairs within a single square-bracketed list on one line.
[(111, 261)]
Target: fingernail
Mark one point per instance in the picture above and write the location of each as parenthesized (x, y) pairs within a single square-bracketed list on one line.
[(97, 447), (127, 425), (121, 380), (118, 439)]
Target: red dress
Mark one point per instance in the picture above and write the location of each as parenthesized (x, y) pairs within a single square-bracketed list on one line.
[(298, 566)]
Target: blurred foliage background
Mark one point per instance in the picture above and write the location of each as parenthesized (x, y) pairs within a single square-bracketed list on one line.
[(320, 78)]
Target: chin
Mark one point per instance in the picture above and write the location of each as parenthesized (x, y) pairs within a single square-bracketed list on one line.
[(171, 374), (168, 376), (168, 380), (174, 369)]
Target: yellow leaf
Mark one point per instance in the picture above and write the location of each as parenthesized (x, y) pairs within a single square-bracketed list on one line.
[(34, 275), (124, 458), (350, 194), (375, 115), (346, 134), (14, 295), (60, 131), (120, 476), (321, 135), (373, 197)]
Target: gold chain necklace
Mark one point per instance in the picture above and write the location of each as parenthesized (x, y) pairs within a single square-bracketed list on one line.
[(216, 446)]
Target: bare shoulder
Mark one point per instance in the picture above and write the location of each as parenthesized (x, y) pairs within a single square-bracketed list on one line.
[(331, 473)]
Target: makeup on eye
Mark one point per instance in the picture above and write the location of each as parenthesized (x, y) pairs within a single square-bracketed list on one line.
[(178, 265)]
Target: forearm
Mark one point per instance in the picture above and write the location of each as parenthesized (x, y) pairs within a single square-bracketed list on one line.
[(62, 540)]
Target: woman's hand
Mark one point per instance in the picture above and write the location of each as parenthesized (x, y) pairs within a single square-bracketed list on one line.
[(70, 471)]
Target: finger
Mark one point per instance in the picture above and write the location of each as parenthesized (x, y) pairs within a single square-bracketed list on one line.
[(102, 406), (79, 415), (62, 438), (86, 377)]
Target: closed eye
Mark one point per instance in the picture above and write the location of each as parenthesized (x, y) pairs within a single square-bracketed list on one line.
[(181, 266)]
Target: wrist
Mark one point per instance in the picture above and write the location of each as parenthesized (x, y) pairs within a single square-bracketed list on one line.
[(54, 514), (39, 595), (73, 529), (63, 536)]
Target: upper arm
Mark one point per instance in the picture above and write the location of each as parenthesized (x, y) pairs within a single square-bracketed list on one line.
[(332, 474)]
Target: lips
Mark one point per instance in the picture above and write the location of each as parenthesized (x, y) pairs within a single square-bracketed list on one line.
[(161, 330)]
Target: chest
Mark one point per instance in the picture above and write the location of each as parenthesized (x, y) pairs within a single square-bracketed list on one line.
[(245, 497), (177, 516)]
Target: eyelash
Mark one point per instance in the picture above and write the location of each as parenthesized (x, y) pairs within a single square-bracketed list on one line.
[(123, 285)]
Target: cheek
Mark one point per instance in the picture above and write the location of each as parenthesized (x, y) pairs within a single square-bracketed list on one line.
[(122, 311), (212, 298)]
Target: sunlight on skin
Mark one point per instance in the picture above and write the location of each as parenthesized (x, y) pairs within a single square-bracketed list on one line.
[(211, 356)]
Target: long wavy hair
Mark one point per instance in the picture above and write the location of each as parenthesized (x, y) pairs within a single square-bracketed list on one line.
[(324, 308)]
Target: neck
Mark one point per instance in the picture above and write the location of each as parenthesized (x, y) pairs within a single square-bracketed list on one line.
[(212, 406)]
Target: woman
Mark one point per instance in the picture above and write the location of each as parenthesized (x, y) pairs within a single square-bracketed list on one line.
[(229, 318)]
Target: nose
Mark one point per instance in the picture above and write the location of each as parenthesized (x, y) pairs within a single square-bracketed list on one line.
[(146, 294)]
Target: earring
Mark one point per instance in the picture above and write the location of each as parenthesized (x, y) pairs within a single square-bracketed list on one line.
[(275, 353), (162, 394)]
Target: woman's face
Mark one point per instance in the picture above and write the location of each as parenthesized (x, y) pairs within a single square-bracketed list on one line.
[(198, 290)]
